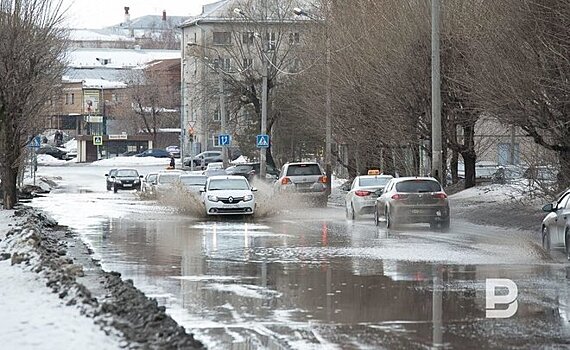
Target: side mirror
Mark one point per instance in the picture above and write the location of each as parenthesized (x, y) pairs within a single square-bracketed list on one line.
[(112, 177), (141, 176), (379, 191), (106, 174), (548, 208), (202, 190), (253, 189)]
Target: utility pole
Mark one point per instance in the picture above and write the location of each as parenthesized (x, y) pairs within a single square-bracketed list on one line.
[(328, 115), (436, 142), (263, 150), (222, 112)]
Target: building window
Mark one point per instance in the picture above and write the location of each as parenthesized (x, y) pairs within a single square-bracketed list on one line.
[(215, 141), (72, 99), (66, 99), (247, 63), (271, 40), (216, 116), (223, 63), (247, 38), (222, 38), (504, 153), (294, 38)]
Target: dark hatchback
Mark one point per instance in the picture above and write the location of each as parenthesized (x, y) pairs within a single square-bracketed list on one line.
[(250, 170), (154, 152), (123, 179), (52, 151)]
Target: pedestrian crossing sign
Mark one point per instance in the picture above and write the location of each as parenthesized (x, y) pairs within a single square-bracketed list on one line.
[(97, 140), (262, 141)]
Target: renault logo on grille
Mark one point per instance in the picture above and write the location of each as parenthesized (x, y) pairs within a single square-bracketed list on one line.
[(231, 199)]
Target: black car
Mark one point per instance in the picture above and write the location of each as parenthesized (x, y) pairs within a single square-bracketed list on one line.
[(154, 152), (123, 179), (52, 151), (250, 170)]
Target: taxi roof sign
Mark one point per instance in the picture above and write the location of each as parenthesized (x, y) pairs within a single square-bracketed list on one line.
[(374, 172)]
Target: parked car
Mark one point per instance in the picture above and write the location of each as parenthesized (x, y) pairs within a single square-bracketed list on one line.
[(52, 151), (413, 200), (228, 195), (129, 153), (148, 182), (174, 151), (204, 158), (154, 152), (165, 180), (556, 226), (193, 183), (215, 168), (304, 178), (251, 170), (124, 179), (361, 198)]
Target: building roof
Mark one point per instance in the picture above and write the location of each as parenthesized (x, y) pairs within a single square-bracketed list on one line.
[(117, 58)]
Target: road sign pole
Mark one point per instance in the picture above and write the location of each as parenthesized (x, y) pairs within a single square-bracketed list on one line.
[(223, 116), (263, 150)]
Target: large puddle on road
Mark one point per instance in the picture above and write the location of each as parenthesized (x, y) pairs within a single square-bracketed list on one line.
[(311, 280)]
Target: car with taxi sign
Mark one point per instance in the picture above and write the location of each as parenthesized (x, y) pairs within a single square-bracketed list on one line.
[(361, 198)]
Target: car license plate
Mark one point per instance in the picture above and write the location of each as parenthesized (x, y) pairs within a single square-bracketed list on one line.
[(416, 211), (127, 185)]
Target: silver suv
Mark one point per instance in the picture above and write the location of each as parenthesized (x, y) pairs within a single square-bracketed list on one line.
[(304, 178)]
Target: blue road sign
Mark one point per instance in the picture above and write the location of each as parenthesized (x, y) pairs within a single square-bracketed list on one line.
[(262, 141), (224, 140), (35, 143)]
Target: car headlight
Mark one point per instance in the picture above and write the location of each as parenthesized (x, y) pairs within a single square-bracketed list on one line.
[(212, 198), (247, 197), (118, 181), (137, 181)]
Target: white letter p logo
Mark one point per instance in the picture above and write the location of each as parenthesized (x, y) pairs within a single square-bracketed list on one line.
[(493, 299)]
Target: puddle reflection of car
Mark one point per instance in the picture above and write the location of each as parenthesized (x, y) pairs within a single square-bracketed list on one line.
[(228, 195), (193, 183), (556, 224), (123, 179), (413, 200)]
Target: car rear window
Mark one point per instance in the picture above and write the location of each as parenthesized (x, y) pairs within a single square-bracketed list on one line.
[(193, 180), (125, 173), (167, 178), (417, 186), (303, 170), (373, 181)]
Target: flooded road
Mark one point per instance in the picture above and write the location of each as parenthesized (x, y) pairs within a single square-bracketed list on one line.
[(309, 279)]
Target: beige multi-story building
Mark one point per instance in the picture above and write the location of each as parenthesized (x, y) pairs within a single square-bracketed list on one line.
[(223, 47)]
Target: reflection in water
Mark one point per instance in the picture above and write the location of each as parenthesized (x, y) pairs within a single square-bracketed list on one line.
[(248, 286)]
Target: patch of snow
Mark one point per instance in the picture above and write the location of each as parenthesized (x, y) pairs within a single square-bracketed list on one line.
[(47, 160), (132, 161), (35, 318), (240, 159), (7, 221)]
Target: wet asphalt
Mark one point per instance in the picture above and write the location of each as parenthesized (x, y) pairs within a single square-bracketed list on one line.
[(307, 278)]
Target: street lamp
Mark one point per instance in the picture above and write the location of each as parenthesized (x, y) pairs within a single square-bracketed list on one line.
[(262, 150), (328, 101), (223, 117)]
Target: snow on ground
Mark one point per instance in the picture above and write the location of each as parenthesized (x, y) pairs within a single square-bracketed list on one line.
[(47, 160), (31, 317), (7, 221), (132, 161), (495, 192)]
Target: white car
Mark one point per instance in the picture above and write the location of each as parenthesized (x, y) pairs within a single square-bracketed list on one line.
[(165, 180), (228, 195), (556, 225), (361, 199), (214, 169), (148, 182)]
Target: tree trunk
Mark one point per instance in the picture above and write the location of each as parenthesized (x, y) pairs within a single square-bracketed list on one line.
[(563, 176), (10, 195), (469, 159), (454, 166)]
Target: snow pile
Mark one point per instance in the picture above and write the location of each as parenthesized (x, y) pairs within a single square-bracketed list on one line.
[(497, 193), (134, 161), (47, 160)]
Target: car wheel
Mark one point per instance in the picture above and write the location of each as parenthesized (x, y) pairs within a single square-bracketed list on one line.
[(433, 224), (389, 222), (376, 218), (445, 224), (115, 188), (108, 187), (546, 239), (353, 215)]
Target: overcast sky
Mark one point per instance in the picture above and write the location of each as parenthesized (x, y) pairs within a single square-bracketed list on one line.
[(103, 13)]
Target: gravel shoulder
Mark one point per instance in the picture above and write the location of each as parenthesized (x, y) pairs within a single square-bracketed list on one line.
[(66, 266)]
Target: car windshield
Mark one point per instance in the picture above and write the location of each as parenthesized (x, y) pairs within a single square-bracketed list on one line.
[(127, 173), (168, 178), (373, 181), (228, 184), (418, 186), (193, 180), (303, 170), (151, 177)]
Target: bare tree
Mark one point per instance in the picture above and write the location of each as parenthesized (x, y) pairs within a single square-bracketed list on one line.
[(32, 48)]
